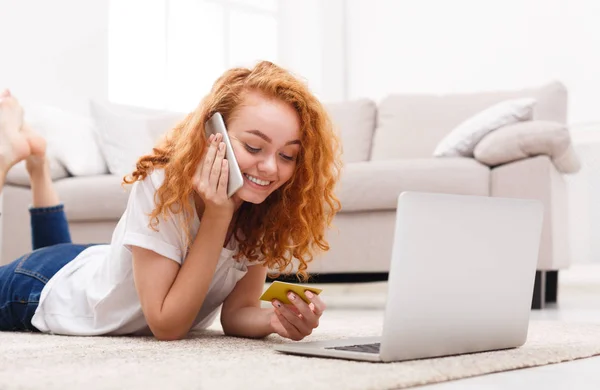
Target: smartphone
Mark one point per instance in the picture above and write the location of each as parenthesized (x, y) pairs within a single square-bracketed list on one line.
[(216, 125)]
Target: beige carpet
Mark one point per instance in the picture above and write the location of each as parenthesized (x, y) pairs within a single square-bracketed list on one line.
[(212, 361)]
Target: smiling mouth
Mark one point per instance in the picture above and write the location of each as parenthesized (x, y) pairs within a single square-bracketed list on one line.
[(257, 181)]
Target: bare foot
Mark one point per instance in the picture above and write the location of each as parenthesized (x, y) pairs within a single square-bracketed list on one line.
[(37, 144), (13, 144)]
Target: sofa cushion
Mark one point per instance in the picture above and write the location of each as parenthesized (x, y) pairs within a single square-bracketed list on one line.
[(93, 198), (18, 174), (355, 121), (528, 139), (376, 185), (410, 126)]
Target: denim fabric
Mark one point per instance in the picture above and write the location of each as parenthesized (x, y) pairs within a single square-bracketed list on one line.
[(49, 227), (22, 281)]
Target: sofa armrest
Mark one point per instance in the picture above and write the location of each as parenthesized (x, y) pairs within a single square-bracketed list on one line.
[(538, 178), (528, 139), (87, 199)]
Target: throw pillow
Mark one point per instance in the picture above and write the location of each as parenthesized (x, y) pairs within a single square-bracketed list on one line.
[(70, 138), (527, 139), (127, 133), (462, 139)]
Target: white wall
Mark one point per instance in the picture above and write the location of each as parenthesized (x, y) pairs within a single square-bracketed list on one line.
[(312, 44), (580, 27), (443, 46), (55, 51)]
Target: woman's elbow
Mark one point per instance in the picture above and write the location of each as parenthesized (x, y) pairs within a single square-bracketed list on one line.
[(227, 330), (168, 336), (164, 332), (228, 323)]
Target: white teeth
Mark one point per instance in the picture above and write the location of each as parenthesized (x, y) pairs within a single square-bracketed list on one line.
[(257, 181)]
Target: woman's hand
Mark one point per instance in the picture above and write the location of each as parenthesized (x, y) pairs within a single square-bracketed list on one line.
[(296, 321), (210, 181)]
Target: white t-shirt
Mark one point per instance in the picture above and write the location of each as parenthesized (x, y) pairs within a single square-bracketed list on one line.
[(95, 293)]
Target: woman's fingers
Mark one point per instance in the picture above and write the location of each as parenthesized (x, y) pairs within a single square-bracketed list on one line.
[(209, 158), (215, 172), (214, 175), (318, 305), (223, 180), (211, 179), (298, 323), (292, 331), (310, 317)]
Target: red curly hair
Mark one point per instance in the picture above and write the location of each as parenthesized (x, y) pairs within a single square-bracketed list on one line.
[(291, 222)]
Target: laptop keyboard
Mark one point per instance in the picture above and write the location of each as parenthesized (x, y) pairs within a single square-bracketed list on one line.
[(367, 348)]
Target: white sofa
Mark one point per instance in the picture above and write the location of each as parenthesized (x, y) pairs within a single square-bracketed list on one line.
[(387, 149)]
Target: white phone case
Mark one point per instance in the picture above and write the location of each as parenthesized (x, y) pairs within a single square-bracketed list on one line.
[(216, 125)]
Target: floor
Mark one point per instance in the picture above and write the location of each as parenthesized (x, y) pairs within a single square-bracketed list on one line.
[(579, 301)]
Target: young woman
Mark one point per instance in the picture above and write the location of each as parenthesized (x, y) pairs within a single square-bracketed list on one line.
[(183, 248)]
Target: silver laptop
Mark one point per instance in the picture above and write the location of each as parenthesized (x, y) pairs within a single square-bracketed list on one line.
[(461, 280)]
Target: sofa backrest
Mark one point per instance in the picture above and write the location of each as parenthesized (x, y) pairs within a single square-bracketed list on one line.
[(355, 122), (410, 126)]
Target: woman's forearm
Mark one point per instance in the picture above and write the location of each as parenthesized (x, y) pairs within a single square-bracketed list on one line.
[(187, 294), (254, 322)]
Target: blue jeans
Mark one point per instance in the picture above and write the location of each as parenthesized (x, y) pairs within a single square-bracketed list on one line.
[(22, 281)]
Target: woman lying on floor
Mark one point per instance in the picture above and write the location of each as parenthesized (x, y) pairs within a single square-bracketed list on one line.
[(183, 248)]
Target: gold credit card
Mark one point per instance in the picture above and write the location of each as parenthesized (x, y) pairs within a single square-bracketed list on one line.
[(278, 290)]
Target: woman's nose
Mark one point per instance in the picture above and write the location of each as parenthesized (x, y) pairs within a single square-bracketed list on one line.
[(268, 165)]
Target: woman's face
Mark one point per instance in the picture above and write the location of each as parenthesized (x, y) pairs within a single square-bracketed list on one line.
[(265, 136)]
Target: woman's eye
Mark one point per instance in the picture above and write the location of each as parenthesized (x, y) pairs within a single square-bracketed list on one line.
[(251, 149)]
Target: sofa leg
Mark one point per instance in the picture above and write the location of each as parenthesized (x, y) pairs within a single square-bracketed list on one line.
[(539, 291), (551, 286)]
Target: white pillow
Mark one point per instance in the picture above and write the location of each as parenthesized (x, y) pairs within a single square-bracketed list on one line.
[(70, 137), (126, 133), (527, 139), (461, 141)]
